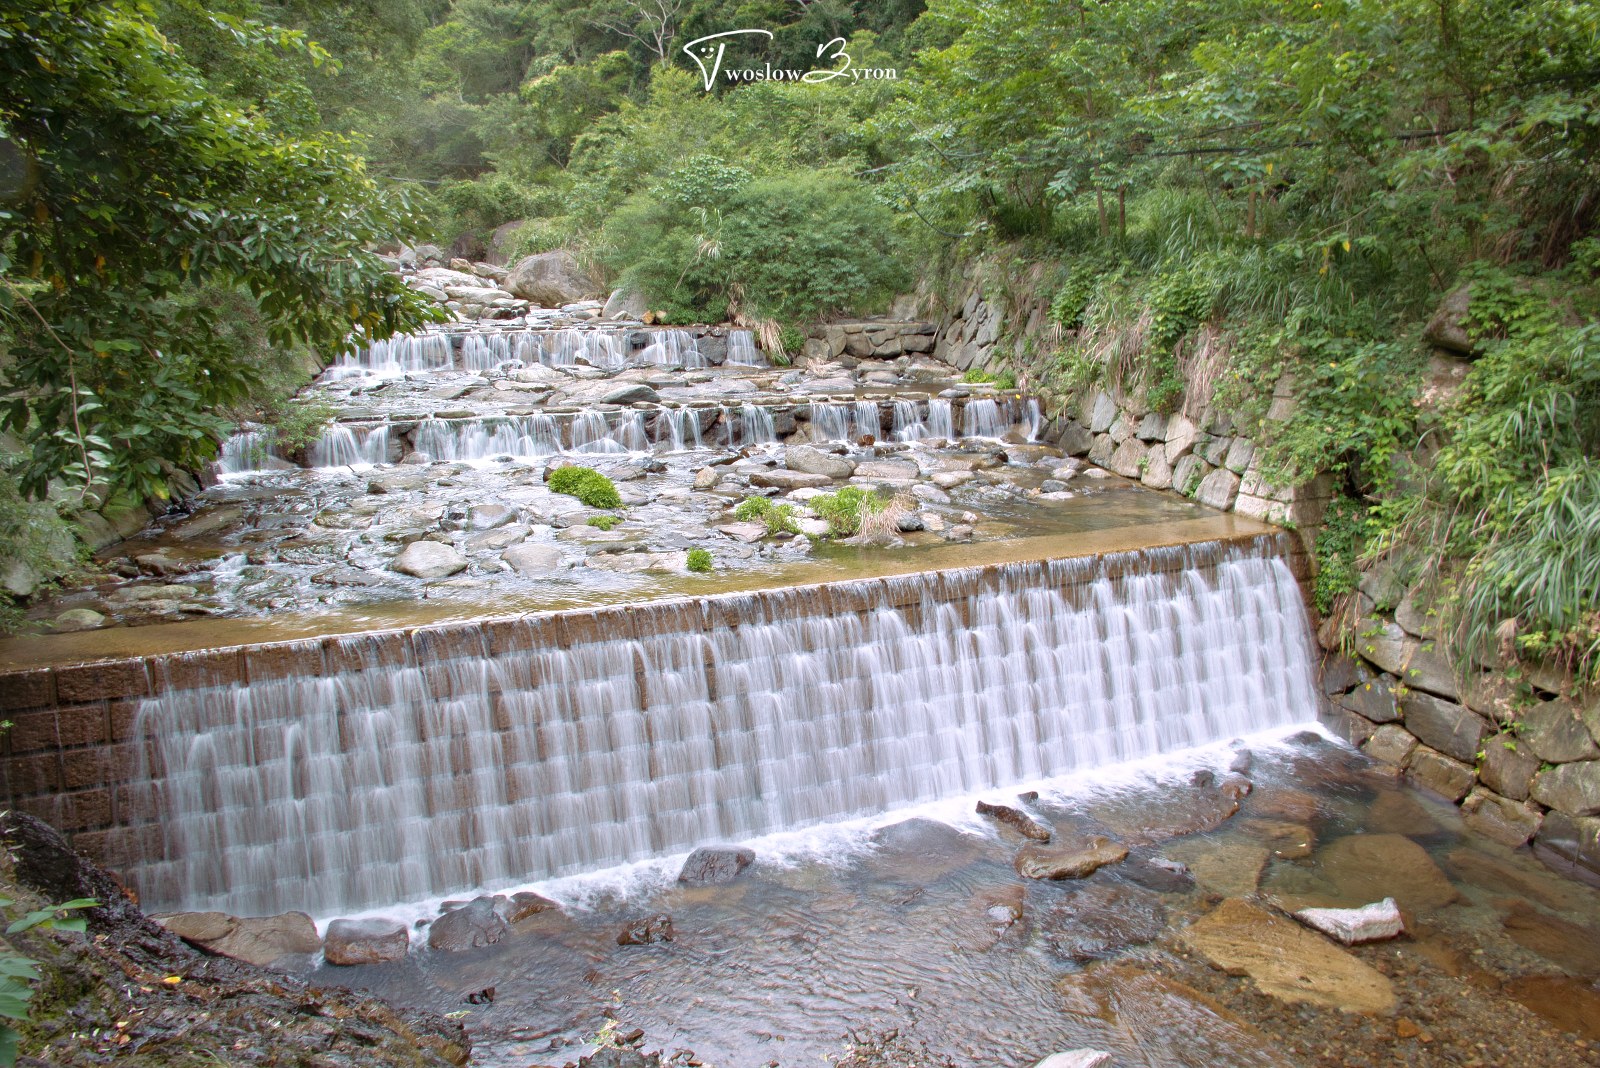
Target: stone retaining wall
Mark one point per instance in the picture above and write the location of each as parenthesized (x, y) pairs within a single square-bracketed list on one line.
[(1517, 748)]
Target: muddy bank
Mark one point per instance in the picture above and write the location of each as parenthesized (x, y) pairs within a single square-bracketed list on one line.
[(130, 993)]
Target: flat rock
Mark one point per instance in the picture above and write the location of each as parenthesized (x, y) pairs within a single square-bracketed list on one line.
[(532, 559), (352, 942), (1369, 923), (429, 560), (472, 926), (1143, 820), (889, 470), (1068, 860), (745, 532), (789, 480), (813, 461), (715, 865), (260, 940), (1286, 961)]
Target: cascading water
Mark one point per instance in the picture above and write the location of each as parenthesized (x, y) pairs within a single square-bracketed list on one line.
[(244, 452), (597, 431), (742, 351), (583, 743), (344, 446), (403, 354), (523, 436), (756, 426), (678, 429), (672, 348), (985, 417), (912, 423), (846, 421)]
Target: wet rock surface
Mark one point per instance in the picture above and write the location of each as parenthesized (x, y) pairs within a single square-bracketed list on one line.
[(920, 944), (1071, 859), (429, 485), (471, 926), (715, 865), (352, 942), (133, 992)]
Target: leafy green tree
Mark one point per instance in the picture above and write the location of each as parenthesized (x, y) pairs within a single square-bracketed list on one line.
[(137, 186)]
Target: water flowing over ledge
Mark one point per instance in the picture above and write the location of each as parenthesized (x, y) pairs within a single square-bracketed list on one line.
[(549, 745)]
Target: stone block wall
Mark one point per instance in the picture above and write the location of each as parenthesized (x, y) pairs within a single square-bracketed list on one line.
[(1521, 758), (870, 339)]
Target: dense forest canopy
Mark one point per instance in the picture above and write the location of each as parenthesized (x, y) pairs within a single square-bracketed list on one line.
[(1221, 191)]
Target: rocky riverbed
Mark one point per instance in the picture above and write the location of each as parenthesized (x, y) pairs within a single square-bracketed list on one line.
[(430, 483), (1156, 924)]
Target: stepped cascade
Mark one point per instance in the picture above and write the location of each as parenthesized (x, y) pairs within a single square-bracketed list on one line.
[(573, 749)]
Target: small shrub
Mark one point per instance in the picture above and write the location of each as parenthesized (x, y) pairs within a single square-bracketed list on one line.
[(586, 484), (699, 561), (791, 339), (779, 518), (1005, 380), (847, 509), (604, 522), (298, 424), (977, 376)]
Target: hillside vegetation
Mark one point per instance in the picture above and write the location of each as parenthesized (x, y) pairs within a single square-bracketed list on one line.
[(1220, 193)]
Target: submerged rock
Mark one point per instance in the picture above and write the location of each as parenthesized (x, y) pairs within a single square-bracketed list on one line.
[(1100, 920), (1286, 961), (715, 865), (1069, 860), (1169, 1022), (472, 926), (351, 942), (644, 932)]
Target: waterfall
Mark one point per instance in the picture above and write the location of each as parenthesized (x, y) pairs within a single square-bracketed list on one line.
[(914, 424), (985, 417), (594, 431), (414, 765), (756, 426), (522, 436), (244, 452), (742, 351), (399, 355), (344, 446), (672, 348), (678, 429), (840, 421)]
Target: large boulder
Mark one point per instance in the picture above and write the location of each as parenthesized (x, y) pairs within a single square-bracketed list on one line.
[(351, 942), (625, 304), (475, 924), (551, 279), (429, 560), (258, 940), (813, 461), (715, 865)]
